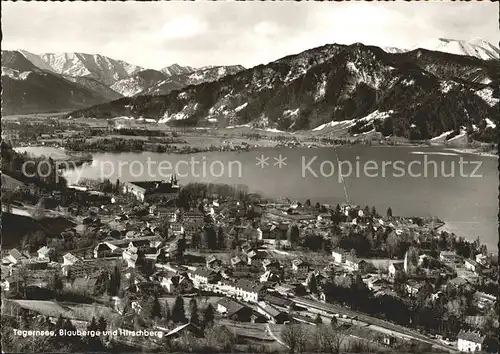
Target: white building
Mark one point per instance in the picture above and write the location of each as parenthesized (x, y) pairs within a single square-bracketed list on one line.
[(471, 265), (70, 259), (395, 268), (339, 255), (248, 291), (43, 253), (300, 266), (482, 259), (470, 341), (200, 277)]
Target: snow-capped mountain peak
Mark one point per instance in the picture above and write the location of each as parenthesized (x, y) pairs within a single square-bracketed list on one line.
[(476, 47), (95, 66), (393, 50), (36, 60), (176, 69)]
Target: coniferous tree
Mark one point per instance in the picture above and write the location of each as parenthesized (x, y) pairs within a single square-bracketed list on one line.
[(59, 323), (57, 283), (178, 314), (193, 312), (318, 320), (208, 316), (93, 325), (333, 322), (210, 237), (389, 213), (313, 284), (156, 308), (195, 240), (166, 311), (221, 241), (294, 235), (115, 281), (93, 342), (102, 325)]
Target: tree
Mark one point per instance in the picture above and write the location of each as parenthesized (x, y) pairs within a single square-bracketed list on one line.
[(156, 308), (312, 284), (334, 322), (374, 213), (147, 306), (193, 312), (327, 339), (93, 325), (166, 311), (93, 342), (208, 316), (178, 252), (114, 281), (318, 320), (59, 323), (56, 284), (393, 244), (178, 314), (278, 240), (294, 235), (221, 240), (234, 244), (102, 324), (308, 203), (411, 259), (337, 338), (221, 338), (209, 237), (295, 337), (389, 213)]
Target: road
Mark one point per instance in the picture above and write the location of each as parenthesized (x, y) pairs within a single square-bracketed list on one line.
[(275, 337), (372, 323)]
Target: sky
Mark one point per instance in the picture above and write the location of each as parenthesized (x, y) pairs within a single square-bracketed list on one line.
[(157, 34)]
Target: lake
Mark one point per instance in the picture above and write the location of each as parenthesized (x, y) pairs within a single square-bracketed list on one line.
[(381, 176)]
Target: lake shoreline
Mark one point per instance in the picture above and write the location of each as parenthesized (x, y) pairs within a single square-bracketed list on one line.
[(450, 199), (266, 144)]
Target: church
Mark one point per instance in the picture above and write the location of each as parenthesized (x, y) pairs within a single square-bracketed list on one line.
[(157, 191)]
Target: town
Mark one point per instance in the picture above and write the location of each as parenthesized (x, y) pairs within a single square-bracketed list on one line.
[(166, 266)]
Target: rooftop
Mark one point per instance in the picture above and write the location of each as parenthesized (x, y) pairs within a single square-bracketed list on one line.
[(249, 285), (156, 186), (471, 336), (231, 305)]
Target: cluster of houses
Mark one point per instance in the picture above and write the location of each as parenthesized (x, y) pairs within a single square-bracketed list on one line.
[(248, 279), (348, 261)]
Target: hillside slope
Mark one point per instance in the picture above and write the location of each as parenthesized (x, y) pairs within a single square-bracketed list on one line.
[(27, 89), (98, 67), (152, 82), (476, 47), (393, 93)]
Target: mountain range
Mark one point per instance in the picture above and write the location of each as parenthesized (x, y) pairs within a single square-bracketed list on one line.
[(58, 82), (476, 47), (419, 93)]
